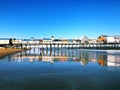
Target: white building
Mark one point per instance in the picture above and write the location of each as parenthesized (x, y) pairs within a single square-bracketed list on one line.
[(25, 41), (84, 39), (47, 40), (92, 41), (17, 41), (112, 39), (4, 40)]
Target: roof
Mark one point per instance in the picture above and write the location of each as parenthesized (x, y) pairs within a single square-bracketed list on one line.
[(84, 38), (6, 38)]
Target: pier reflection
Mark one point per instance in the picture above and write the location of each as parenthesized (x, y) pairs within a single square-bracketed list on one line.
[(66, 55), (66, 69)]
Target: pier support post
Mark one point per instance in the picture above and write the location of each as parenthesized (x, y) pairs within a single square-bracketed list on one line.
[(46, 49), (54, 49), (50, 49)]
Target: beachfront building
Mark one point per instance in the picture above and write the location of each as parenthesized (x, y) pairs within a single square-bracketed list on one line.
[(84, 39), (102, 39), (34, 41), (92, 41), (18, 41), (64, 41), (77, 40), (47, 40), (109, 39), (40, 40), (25, 41), (6, 42)]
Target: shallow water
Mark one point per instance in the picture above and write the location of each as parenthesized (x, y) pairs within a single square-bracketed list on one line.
[(66, 69)]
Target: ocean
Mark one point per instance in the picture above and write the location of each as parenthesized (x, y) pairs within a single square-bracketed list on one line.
[(61, 69)]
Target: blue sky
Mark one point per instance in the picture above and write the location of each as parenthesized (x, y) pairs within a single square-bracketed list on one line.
[(61, 18)]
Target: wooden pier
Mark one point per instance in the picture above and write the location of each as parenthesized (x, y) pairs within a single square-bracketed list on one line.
[(73, 45)]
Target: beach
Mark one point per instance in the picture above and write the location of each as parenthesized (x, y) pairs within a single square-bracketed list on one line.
[(4, 51)]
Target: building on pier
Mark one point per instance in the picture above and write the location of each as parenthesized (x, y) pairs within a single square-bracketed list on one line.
[(18, 41), (109, 39), (84, 39), (92, 41), (47, 40), (6, 42)]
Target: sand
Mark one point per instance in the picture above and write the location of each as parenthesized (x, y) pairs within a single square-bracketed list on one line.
[(4, 51)]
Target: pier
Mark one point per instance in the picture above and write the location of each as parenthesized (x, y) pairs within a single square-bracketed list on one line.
[(52, 43), (72, 45)]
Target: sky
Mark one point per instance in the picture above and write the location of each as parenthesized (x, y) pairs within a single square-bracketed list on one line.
[(60, 18)]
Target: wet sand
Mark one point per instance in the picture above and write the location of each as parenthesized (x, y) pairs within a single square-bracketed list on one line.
[(4, 51)]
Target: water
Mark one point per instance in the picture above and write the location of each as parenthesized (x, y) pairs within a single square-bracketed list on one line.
[(61, 70)]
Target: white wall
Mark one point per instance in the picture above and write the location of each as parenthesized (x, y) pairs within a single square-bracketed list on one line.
[(47, 41), (17, 42), (4, 41), (110, 39)]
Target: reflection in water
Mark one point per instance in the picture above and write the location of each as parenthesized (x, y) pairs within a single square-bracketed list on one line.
[(60, 69), (102, 59), (69, 55)]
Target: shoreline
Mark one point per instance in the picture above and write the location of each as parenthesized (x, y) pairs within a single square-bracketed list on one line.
[(5, 52)]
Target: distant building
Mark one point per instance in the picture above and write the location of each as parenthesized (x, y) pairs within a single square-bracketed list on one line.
[(24, 41), (84, 39), (7, 40), (76, 41), (92, 41), (109, 39), (41, 40), (102, 39), (36, 41), (30, 41), (17, 41), (47, 40), (4, 40)]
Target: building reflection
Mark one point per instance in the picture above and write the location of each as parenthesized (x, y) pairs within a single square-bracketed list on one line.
[(102, 59), (113, 60), (67, 56)]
